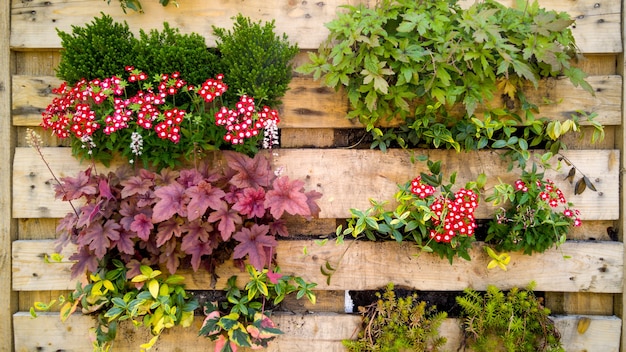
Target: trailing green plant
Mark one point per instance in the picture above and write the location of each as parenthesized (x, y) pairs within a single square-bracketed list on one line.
[(516, 321), (442, 223), (244, 318), (146, 298), (533, 215), (434, 68), (395, 324), (99, 49), (255, 60)]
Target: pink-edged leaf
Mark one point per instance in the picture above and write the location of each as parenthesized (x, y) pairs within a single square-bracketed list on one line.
[(125, 243), (85, 262), (228, 220), (251, 172), (75, 187), (136, 185), (202, 197), (251, 202), (287, 196), (252, 242), (311, 200), (166, 230), (142, 225), (170, 202)]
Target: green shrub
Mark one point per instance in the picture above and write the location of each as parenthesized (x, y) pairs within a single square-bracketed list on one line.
[(169, 51), (99, 49), (255, 61)]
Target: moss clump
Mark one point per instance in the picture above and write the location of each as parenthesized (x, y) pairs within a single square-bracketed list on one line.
[(513, 322), (395, 324)]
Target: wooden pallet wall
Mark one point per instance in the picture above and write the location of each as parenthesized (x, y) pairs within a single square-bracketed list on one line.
[(589, 285)]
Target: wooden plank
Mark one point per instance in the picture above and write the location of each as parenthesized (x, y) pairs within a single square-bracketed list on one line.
[(7, 144), (307, 104), (593, 267), (597, 28), (346, 178), (313, 332), (303, 21)]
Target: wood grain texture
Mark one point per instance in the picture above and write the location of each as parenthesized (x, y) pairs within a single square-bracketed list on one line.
[(597, 27), (313, 333), (346, 178), (308, 104), (593, 267), (8, 226)]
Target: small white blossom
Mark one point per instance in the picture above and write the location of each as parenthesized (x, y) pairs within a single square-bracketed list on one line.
[(270, 134), (136, 143)]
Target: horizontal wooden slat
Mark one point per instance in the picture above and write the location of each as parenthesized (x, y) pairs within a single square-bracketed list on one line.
[(33, 24), (313, 332), (310, 105), (593, 267), (346, 178)]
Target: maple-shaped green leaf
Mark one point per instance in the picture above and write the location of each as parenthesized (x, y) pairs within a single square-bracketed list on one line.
[(577, 77)]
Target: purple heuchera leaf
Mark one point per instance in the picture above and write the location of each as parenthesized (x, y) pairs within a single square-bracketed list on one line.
[(250, 202), (171, 202), (202, 197), (136, 185), (99, 237), (166, 230), (196, 242), (142, 225), (125, 243), (287, 196), (253, 242), (85, 261), (189, 177), (228, 219), (105, 189), (314, 208), (75, 187), (250, 172)]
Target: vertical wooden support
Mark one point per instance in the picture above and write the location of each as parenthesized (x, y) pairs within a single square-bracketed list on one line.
[(620, 141), (8, 301)]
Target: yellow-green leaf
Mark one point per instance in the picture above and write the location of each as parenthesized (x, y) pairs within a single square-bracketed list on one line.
[(148, 345), (153, 287), (583, 325)]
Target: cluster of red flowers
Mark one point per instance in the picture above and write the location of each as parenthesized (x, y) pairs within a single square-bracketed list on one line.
[(420, 189), (244, 121), (453, 217), (76, 111), (552, 195)]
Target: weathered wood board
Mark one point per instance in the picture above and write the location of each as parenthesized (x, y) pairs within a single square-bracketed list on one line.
[(593, 267), (308, 104), (313, 332), (33, 23), (345, 177)]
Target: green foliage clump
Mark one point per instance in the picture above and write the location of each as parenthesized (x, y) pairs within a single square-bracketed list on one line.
[(431, 64), (395, 324), (166, 51), (99, 49), (255, 61), (513, 322)]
